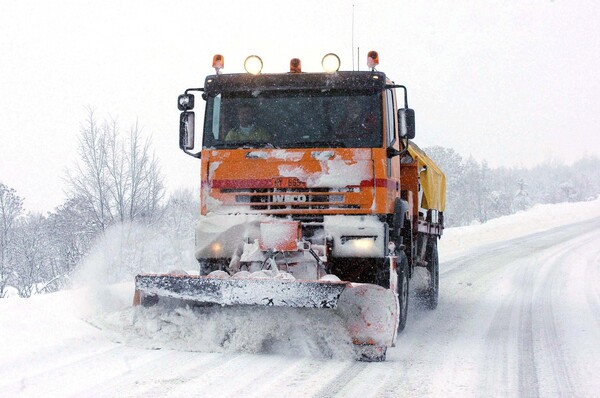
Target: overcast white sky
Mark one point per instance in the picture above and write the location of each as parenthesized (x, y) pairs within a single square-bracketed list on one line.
[(512, 82)]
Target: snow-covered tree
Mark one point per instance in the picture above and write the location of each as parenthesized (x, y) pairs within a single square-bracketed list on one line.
[(11, 207), (32, 255), (451, 164), (522, 201), (477, 193), (71, 231)]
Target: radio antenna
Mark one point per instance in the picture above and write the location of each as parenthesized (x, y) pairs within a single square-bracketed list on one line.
[(352, 37)]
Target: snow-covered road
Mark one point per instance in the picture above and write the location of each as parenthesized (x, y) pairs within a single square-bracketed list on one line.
[(520, 317)]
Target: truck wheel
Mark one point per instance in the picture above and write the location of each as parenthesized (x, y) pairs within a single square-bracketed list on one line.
[(149, 300), (402, 269), (370, 353), (208, 265), (431, 294)]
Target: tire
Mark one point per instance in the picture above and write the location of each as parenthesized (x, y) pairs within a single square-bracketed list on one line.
[(431, 294), (208, 265), (149, 300), (370, 353), (402, 269), (399, 221)]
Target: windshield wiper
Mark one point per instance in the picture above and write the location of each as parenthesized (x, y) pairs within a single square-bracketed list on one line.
[(317, 144), (250, 144)]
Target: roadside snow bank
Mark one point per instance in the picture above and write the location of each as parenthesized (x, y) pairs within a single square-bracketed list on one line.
[(40, 328), (539, 218)]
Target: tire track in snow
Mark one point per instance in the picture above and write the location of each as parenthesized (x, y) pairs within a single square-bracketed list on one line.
[(527, 370), (373, 382), (342, 379), (592, 292), (235, 379), (553, 290), (512, 321), (434, 342), (159, 375), (80, 369), (262, 380), (302, 377), (515, 317), (44, 363)]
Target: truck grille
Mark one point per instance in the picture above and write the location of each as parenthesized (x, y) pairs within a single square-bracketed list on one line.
[(292, 198)]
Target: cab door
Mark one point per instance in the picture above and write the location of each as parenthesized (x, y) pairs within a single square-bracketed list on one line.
[(393, 164)]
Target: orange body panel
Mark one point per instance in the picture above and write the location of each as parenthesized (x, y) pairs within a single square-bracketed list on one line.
[(298, 181)]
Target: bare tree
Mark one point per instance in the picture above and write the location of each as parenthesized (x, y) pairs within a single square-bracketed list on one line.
[(11, 207), (118, 179), (90, 178), (146, 187), (117, 171)]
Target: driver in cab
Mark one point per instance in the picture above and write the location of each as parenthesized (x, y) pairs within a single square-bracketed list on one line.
[(247, 130), (358, 122)]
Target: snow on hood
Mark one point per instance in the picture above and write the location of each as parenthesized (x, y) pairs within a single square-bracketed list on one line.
[(335, 173)]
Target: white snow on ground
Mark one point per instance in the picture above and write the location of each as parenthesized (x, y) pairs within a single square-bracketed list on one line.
[(259, 330), (515, 319), (539, 218)]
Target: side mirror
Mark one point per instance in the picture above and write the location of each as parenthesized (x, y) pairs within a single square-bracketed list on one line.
[(186, 130), (406, 121)]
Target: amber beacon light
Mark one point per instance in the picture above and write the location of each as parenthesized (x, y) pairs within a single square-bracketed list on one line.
[(372, 59), (295, 65), (218, 63)]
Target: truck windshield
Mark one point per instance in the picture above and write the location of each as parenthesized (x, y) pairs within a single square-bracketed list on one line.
[(296, 119)]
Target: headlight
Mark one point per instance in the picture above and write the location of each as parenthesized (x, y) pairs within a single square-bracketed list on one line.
[(359, 243), (331, 63), (253, 64), (216, 248)]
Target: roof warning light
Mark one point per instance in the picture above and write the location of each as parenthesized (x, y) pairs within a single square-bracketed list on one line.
[(218, 63), (295, 65), (372, 59)]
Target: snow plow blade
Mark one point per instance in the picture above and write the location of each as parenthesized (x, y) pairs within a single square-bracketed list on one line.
[(370, 312), (231, 291)]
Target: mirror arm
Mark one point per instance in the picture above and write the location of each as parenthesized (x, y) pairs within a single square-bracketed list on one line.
[(193, 89), (402, 152), (194, 155), (392, 152), (405, 92)]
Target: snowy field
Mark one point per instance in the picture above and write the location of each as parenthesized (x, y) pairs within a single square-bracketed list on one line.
[(519, 315)]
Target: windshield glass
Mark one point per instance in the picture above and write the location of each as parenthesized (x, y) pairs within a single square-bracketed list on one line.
[(299, 119)]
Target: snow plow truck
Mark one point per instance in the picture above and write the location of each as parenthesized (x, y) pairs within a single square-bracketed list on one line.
[(312, 196)]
